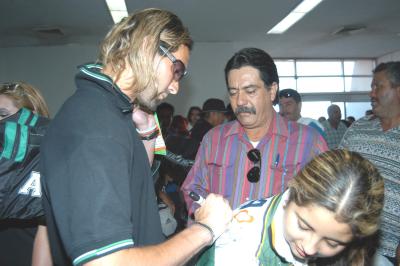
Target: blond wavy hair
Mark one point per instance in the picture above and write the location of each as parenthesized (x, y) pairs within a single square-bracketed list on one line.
[(26, 96), (348, 185), (135, 40)]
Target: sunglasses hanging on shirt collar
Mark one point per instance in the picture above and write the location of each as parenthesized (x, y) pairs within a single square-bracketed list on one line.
[(253, 175)]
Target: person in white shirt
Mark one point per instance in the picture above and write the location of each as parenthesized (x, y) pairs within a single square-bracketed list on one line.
[(290, 108)]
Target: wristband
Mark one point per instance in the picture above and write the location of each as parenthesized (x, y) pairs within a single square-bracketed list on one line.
[(208, 228), (145, 131), (151, 136)]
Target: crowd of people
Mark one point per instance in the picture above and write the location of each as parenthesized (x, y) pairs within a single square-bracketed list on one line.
[(110, 179)]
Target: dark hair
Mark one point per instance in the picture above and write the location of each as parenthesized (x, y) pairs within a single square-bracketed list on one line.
[(258, 59), (191, 110), (179, 126), (165, 106), (290, 93), (392, 70)]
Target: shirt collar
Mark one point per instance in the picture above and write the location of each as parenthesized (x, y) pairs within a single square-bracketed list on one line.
[(93, 73)]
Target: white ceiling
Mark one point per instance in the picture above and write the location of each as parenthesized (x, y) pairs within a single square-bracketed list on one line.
[(244, 22)]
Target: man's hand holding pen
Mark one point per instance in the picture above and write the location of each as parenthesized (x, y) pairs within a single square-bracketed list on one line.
[(215, 214)]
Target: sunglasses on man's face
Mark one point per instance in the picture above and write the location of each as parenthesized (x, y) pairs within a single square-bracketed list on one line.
[(9, 86), (253, 175), (179, 66), (285, 94)]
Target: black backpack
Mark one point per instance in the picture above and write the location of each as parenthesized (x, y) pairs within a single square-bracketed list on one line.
[(20, 190)]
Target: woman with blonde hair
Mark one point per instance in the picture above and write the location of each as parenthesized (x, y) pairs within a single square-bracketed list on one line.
[(326, 217), (23, 122), (22, 95)]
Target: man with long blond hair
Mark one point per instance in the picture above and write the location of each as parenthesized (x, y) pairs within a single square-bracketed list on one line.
[(98, 192)]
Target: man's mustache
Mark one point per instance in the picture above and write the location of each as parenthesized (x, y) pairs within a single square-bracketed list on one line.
[(245, 109)]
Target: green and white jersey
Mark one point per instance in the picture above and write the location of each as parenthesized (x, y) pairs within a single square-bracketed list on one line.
[(251, 239)]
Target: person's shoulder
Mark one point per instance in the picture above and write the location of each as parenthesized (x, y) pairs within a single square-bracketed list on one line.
[(224, 129), (364, 121), (325, 123), (295, 128), (310, 122)]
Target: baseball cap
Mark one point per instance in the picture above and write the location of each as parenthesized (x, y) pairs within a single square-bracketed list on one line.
[(290, 93), (214, 105)]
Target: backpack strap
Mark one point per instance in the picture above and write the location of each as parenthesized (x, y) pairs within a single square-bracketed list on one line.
[(19, 132), (15, 141), (27, 117)]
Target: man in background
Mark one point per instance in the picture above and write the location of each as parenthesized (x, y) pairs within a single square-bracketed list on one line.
[(377, 138), (334, 127), (165, 112), (213, 114), (350, 120), (290, 108)]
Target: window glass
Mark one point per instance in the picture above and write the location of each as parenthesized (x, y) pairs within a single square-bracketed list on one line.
[(319, 68), (357, 109), (287, 83), (321, 84), (315, 109), (285, 67), (358, 67), (328, 80), (358, 84)]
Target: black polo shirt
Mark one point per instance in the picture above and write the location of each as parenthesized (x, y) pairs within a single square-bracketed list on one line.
[(97, 188)]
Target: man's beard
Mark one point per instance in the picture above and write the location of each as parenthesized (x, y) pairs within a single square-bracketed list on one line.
[(148, 99)]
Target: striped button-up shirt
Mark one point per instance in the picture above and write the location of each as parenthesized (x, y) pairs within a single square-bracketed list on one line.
[(333, 135), (222, 165)]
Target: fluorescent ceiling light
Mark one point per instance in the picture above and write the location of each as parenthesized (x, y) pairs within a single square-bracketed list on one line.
[(294, 16), (118, 15), (306, 6), (117, 9)]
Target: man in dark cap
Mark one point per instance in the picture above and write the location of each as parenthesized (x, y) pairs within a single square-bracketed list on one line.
[(213, 115), (290, 108)]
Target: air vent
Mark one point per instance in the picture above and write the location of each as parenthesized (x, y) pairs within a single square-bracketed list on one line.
[(348, 30), (49, 31)]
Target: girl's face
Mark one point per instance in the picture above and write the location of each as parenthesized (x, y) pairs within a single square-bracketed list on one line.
[(313, 231), (7, 106), (194, 116)]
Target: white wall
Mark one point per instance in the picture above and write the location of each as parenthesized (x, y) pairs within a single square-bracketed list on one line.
[(395, 56), (206, 76), (52, 70)]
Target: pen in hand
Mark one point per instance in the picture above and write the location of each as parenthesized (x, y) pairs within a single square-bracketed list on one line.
[(196, 197)]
